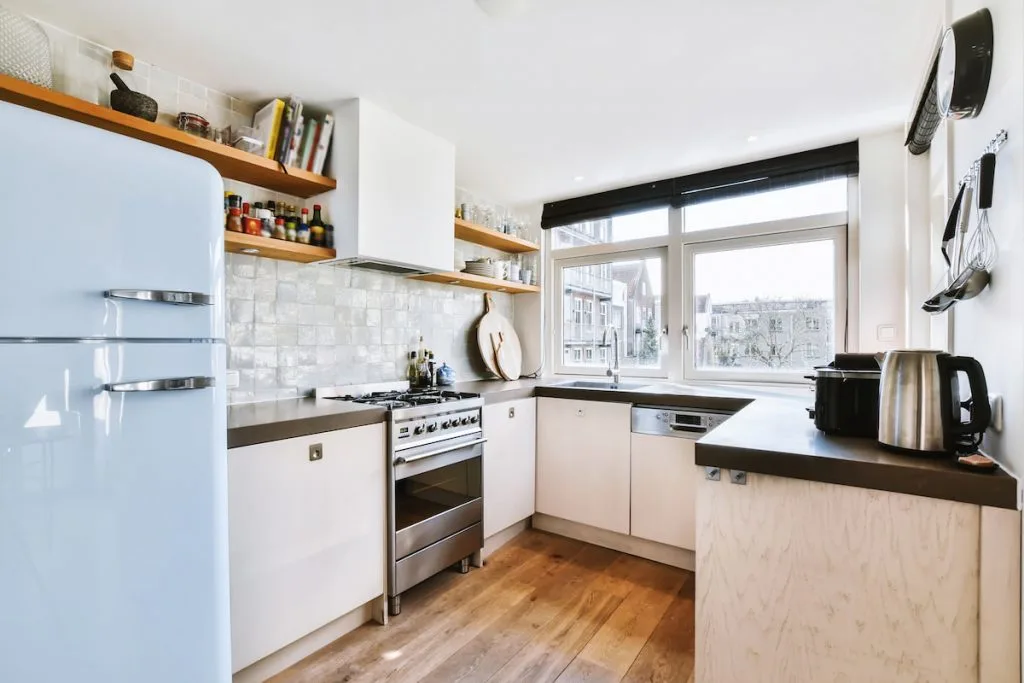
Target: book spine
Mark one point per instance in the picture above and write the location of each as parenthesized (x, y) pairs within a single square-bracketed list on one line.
[(316, 143), (284, 136), (293, 149), (274, 126), (308, 136), (323, 144)]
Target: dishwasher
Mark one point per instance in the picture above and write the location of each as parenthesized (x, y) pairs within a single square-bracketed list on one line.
[(663, 473)]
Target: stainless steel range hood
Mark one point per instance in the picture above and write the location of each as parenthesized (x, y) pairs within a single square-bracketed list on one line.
[(393, 209), (378, 265)]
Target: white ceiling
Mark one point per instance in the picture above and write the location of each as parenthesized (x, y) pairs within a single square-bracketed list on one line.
[(615, 91)]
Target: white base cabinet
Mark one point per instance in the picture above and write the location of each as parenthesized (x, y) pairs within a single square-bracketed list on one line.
[(306, 536), (510, 463), (663, 482), (583, 464)]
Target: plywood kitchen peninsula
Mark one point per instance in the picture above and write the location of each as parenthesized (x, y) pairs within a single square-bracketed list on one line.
[(818, 567)]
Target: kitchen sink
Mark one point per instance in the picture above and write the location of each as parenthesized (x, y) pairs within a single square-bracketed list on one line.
[(607, 386)]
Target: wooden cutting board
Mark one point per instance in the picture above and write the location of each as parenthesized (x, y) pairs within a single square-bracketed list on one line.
[(495, 323)]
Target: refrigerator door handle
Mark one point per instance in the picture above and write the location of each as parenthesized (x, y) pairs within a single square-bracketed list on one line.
[(172, 384), (165, 296)]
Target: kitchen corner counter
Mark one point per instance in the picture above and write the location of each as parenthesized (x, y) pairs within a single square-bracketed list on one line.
[(254, 423), (500, 391), (775, 437)]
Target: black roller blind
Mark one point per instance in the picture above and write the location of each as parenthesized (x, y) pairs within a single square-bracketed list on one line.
[(757, 176)]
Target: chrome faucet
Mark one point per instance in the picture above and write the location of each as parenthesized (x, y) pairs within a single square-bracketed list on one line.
[(613, 370)]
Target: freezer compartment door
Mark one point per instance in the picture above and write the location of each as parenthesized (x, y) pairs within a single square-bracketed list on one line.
[(87, 212), (113, 515)]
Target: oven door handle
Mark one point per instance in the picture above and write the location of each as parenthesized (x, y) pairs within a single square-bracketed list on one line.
[(402, 460)]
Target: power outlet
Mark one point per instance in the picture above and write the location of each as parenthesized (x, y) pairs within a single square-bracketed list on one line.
[(996, 401), (232, 379)]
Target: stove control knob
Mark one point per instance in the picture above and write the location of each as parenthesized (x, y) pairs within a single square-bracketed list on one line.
[(432, 427), (464, 421), (446, 424), (418, 430), (474, 419)]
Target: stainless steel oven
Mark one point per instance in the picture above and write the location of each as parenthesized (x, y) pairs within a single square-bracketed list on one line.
[(436, 499)]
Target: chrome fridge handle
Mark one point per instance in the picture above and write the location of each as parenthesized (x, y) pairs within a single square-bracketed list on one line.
[(171, 384), (164, 296), (402, 460)]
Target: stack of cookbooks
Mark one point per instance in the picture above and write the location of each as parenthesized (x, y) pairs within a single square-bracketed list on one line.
[(292, 139)]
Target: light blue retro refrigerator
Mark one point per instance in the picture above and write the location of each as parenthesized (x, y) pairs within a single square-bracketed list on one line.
[(113, 512)]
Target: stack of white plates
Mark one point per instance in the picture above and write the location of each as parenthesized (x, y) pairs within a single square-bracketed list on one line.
[(482, 268)]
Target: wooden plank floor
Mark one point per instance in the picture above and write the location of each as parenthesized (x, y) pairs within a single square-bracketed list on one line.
[(544, 608)]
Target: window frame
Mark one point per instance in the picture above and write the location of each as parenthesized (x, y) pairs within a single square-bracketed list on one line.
[(837, 234), (677, 286), (557, 267)]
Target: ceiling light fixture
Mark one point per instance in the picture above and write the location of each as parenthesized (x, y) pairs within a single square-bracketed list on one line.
[(500, 9), (752, 138), (578, 178)]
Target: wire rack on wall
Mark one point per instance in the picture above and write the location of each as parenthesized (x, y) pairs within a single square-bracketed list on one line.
[(993, 147)]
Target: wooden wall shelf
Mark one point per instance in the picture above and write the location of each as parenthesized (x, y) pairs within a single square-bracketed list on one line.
[(229, 162), (478, 234), (478, 282), (240, 243)]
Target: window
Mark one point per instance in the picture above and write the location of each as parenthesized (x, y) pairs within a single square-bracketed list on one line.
[(627, 294), (759, 294), (770, 297), (829, 196), (610, 230)]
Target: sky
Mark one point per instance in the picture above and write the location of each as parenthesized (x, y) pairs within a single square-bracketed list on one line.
[(784, 271)]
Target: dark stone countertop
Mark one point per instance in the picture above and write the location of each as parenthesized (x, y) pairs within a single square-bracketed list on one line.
[(775, 436), (254, 423)]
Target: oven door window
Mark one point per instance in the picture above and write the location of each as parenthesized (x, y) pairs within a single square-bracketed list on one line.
[(436, 492)]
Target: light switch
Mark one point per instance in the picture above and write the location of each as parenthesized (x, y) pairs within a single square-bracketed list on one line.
[(232, 379), (886, 333)]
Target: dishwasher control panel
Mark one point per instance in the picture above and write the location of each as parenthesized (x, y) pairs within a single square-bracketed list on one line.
[(679, 422)]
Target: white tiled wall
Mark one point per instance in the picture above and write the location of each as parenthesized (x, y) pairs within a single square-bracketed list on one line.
[(294, 327), (82, 68)]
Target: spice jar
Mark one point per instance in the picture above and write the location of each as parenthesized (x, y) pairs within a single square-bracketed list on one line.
[(280, 232), (235, 220), (266, 223)]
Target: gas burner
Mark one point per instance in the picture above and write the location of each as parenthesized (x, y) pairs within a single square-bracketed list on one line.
[(388, 403), (414, 398)]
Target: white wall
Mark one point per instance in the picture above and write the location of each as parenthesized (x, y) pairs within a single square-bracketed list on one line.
[(879, 283), (991, 327)]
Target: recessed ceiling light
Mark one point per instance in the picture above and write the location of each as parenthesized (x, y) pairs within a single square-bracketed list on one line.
[(504, 8), (752, 138), (578, 178)]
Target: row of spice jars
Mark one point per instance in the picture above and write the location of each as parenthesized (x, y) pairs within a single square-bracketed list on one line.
[(278, 221)]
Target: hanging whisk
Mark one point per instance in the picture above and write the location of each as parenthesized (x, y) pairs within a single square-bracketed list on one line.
[(981, 247)]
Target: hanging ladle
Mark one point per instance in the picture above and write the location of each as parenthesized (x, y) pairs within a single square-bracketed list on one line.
[(974, 275)]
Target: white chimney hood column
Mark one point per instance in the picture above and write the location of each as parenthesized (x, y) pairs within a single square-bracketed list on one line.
[(394, 206)]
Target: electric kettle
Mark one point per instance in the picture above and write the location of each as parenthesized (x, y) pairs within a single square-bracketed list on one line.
[(920, 407)]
